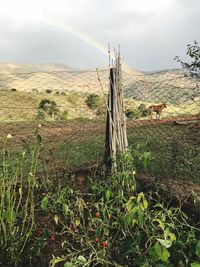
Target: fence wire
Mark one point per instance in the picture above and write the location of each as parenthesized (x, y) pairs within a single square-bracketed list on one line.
[(71, 108)]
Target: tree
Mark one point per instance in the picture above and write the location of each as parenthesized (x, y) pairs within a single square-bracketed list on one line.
[(192, 67)]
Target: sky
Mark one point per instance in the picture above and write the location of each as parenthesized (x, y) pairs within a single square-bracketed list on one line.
[(77, 32)]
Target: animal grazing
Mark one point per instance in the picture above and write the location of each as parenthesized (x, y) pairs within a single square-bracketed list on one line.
[(157, 109)]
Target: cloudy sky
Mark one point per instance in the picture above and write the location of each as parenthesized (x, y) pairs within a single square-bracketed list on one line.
[(76, 32)]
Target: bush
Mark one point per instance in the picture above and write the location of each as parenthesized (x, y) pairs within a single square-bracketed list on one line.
[(92, 101), (13, 90), (132, 113), (49, 106), (48, 91), (143, 110), (40, 115), (44, 103)]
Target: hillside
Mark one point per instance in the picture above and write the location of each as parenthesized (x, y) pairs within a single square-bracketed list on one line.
[(23, 86), (12, 67), (180, 92)]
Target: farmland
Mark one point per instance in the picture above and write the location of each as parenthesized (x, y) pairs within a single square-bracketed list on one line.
[(60, 206)]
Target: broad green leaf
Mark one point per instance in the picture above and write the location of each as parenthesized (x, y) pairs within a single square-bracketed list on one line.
[(169, 236), (195, 264), (130, 204), (165, 243), (160, 223), (198, 249), (69, 264), (144, 201), (155, 252), (107, 195), (158, 252), (165, 255), (44, 203), (81, 259)]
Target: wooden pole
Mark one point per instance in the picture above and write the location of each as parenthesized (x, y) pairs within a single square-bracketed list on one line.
[(116, 136)]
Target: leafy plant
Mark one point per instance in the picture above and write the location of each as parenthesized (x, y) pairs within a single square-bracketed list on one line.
[(193, 67), (92, 101), (17, 202), (48, 106)]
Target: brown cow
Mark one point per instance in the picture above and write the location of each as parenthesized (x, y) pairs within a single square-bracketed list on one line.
[(157, 109)]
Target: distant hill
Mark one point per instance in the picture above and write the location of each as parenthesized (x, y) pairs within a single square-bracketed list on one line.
[(55, 77), (164, 86), (9, 68)]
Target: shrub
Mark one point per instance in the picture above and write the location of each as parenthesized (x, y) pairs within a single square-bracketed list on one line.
[(49, 106), (40, 115), (13, 90), (92, 101), (48, 91), (132, 113), (143, 110), (44, 103)]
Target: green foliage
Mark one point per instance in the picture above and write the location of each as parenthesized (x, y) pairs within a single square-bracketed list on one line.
[(49, 106), (40, 115), (144, 111), (140, 112), (132, 114), (193, 67), (117, 226), (92, 101), (17, 203)]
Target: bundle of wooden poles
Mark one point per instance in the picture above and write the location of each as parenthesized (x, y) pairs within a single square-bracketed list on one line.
[(116, 134)]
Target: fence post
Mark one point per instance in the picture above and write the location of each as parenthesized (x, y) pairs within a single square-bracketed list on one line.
[(116, 137)]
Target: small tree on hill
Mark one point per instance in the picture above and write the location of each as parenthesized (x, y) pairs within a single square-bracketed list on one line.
[(193, 67), (92, 101)]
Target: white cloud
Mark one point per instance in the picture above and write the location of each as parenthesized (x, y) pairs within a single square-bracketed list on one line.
[(151, 32)]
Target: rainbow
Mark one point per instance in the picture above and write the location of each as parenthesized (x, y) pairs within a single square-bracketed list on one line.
[(82, 36)]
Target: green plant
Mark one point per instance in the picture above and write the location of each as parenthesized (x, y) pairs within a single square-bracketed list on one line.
[(143, 110), (17, 201), (142, 157), (193, 67), (49, 106), (117, 226), (132, 113), (92, 101), (40, 115)]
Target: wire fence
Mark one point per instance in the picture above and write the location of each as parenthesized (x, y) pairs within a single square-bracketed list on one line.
[(162, 109)]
